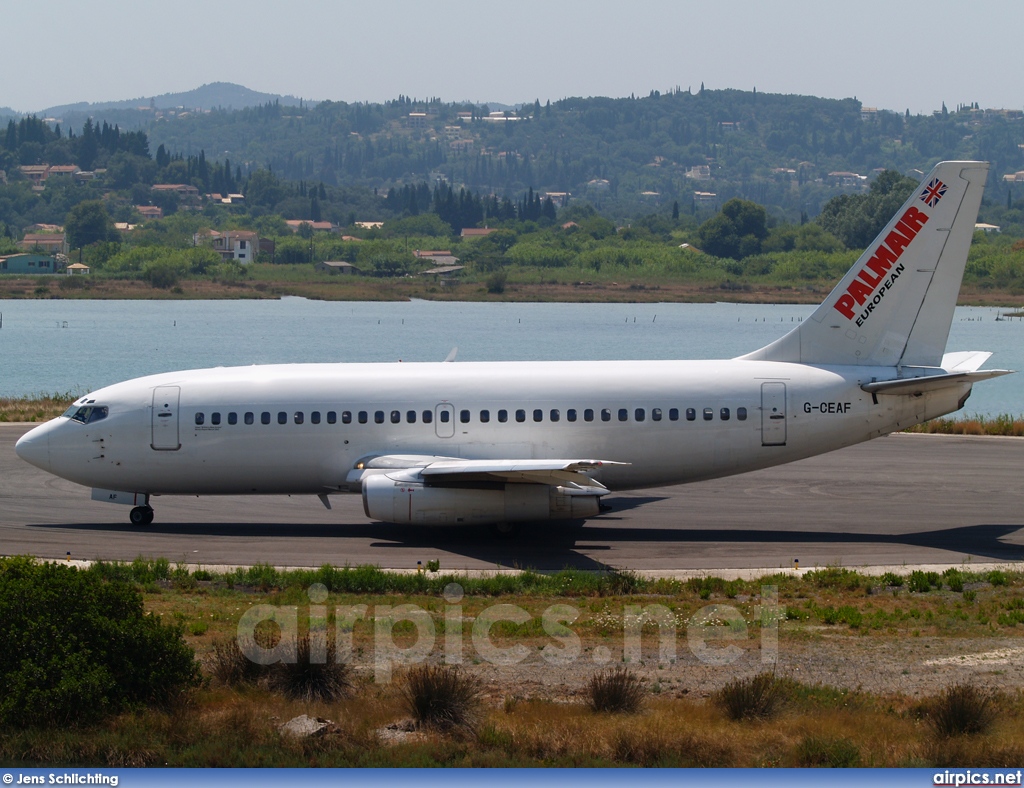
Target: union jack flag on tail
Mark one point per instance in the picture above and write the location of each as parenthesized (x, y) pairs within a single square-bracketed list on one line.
[(933, 193)]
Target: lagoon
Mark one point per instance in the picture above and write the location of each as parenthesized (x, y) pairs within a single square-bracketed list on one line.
[(49, 346)]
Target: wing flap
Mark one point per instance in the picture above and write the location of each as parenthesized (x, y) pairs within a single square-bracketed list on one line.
[(571, 474)]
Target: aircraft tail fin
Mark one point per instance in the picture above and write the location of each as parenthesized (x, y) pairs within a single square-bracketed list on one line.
[(895, 306)]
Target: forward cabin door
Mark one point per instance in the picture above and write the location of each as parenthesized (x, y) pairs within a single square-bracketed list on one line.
[(165, 418), (773, 414)]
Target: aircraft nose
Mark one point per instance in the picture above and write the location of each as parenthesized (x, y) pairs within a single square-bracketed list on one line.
[(34, 447)]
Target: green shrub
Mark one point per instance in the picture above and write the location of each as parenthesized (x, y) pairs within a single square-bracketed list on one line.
[(922, 582), (835, 577), (997, 577), (77, 647), (757, 697), (954, 579), (616, 690), (892, 579), (442, 696)]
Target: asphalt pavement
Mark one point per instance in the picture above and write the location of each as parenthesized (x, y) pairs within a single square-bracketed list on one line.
[(904, 499)]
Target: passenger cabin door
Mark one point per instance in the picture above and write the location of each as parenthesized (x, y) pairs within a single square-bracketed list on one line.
[(444, 420), (773, 414), (165, 418)]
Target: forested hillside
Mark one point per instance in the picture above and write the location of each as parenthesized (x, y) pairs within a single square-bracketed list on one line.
[(626, 156)]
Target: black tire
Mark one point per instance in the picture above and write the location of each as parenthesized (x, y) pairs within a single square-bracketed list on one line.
[(141, 515)]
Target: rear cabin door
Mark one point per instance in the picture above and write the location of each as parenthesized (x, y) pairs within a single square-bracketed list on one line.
[(165, 418), (773, 414)]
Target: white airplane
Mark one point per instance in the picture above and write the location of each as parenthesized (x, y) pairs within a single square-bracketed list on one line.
[(500, 443)]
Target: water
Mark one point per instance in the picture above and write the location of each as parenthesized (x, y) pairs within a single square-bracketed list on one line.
[(59, 346)]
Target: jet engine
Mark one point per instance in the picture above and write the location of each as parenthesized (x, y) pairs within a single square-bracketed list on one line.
[(413, 502)]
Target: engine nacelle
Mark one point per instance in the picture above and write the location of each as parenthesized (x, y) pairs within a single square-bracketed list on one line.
[(408, 502)]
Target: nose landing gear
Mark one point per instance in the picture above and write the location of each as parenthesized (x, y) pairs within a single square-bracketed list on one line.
[(141, 515)]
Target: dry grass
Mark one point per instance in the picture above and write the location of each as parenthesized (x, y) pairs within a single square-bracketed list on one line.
[(225, 727), (616, 690), (552, 723), (442, 697), (962, 709), (39, 407), (758, 697), (1003, 425), (312, 677)]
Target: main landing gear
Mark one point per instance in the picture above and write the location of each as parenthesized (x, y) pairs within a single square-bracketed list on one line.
[(141, 515)]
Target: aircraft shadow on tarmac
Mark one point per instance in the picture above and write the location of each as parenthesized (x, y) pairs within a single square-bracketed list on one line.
[(553, 546)]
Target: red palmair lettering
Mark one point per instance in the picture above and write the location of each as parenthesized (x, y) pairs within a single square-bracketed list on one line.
[(887, 253)]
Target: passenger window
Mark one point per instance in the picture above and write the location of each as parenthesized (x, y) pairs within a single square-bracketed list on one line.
[(200, 418), (215, 418), (538, 414), (265, 417), (410, 416), (282, 417), (314, 417), (485, 416), (673, 414), (396, 417), (464, 416), (741, 414), (250, 418), (378, 417), (639, 414), (520, 415), (709, 413), (570, 415), (691, 414), (232, 418), (298, 417), (623, 414), (655, 414), (446, 416), (363, 417), (502, 416), (724, 413), (428, 416), (606, 414), (588, 414), (555, 415)]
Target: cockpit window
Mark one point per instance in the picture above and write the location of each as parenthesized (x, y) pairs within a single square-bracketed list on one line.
[(86, 415)]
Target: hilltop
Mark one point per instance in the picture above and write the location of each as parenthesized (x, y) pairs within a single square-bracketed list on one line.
[(223, 95)]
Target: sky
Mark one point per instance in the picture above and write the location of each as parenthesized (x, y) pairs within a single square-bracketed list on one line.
[(890, 54)]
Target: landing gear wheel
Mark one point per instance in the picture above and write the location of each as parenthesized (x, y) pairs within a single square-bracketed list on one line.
[(141, 515), (506, 529)]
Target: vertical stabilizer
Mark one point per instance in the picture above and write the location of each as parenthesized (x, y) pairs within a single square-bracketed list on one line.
[(895, 306)]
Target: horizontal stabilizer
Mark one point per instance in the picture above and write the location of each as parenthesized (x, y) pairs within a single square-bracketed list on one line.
[(931, 382)]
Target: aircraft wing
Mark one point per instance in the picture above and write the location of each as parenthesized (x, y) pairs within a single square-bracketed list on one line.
[(571, 474)]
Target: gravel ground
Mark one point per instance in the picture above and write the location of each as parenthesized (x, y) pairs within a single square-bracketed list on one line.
[(913, 666)]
